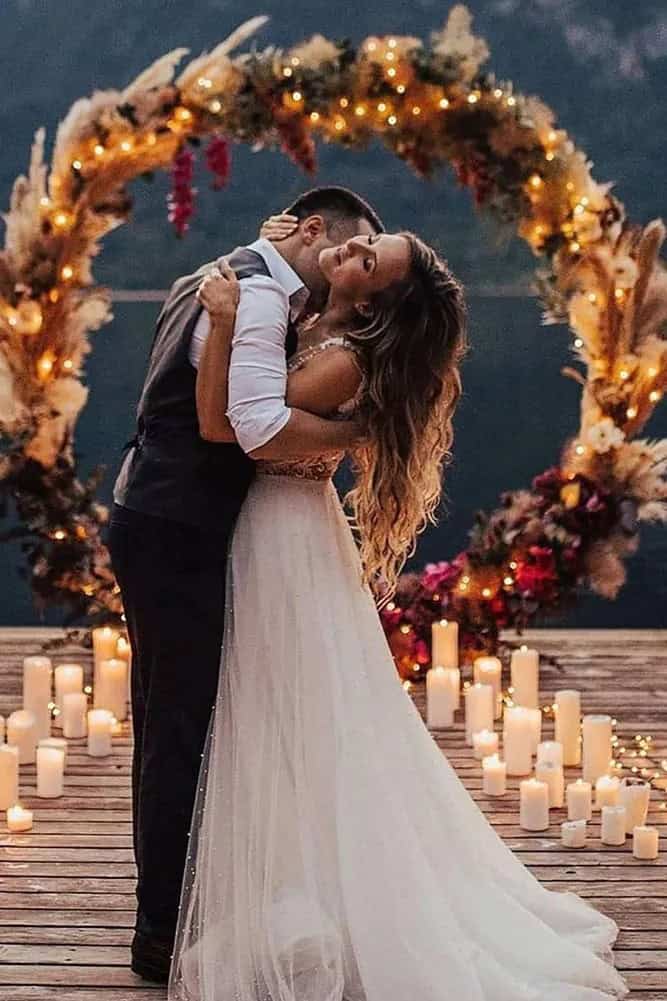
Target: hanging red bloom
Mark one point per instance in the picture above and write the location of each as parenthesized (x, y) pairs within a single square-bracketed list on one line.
[(219, 161), (181, 199)]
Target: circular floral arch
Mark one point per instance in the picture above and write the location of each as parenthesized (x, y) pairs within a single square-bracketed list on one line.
[(430, 105)]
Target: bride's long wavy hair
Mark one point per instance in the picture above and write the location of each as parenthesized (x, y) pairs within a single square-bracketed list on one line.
[(411, 350)]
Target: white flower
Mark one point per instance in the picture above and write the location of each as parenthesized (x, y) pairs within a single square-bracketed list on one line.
[(67, 397), (604, 435), (620, 267), (587, 227), (7, 395), (456, 40), (315, 51)]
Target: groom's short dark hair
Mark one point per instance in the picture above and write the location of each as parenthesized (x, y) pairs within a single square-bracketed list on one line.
[(337, 205)]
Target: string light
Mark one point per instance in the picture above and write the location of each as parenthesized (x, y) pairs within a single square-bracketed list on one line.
[(215, 106), (360, 111), (392, 120), (473, 98), (443, 104), (344, 102), (580, 449), (652, 372), (511, 101), (45, 366), (68, 364), (536, 181), (287, 71), (296, 96), (98, 149), (578, 343), (76, 165), (314, 116), (67, 273), (654, 396), (631, 412), (126, 145)]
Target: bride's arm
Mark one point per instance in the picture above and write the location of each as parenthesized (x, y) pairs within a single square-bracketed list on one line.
[(329, 379)]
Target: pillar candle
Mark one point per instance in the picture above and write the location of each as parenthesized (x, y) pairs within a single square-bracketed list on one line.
[(535, 721), (105, 646), (22, 732), (568, 724), (534, 805), (124, 652), (517, 740), (550, 750), (485, 743), (111, 690), (478, 709), (573, 833), (55, 742), (525, 673), (579, 805), (597, 751), (9, 775), (37, 681), (50, 769), (445, 644), (494, 771), (99, 732), (440, 698), (488, 671), (612, 825), (74, 715), (607, 791), (19, 819), (69, 678), (634, 794), (645, 842), (552, 774)]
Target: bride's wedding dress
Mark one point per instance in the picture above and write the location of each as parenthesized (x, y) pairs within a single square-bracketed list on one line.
[(334, 854)]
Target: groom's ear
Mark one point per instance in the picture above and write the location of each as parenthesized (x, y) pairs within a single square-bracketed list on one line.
[(312, 228)]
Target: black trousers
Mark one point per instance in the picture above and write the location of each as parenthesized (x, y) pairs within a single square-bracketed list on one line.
[(172, 579)]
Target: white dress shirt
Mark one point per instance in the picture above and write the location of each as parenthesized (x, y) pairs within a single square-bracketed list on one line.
[(256, 405)]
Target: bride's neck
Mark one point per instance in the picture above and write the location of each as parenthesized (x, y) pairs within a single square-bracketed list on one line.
[(334, 320)]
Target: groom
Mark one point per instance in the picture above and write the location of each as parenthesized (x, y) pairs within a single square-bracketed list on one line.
[(176, 500)]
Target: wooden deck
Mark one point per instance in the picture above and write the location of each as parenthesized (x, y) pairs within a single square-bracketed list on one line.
[(66, 888)]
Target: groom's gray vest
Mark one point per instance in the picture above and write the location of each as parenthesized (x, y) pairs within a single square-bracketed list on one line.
[(170, 470)]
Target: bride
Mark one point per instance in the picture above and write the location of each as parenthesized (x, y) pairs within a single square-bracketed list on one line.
[(334, 853)]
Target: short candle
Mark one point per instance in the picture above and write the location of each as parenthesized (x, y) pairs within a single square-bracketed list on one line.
[(494, 782), (579, 805), (612, 825), (19, 819), (485, 743), (573, 833), (645, 842)]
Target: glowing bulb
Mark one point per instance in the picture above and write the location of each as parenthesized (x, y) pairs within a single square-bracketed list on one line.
[(382, 107), (45, 201), (513, 565), (371, 47), (126, 145), (295, 60), (473, 98), (511, 101), (652, 371), (444, 103), (392, 120), (619, 293), (497, 92), (416, 110), (45, 366), (580, 449), (67, 273), (570, 186), (486, 592), (296, 96), (314, 116), (550, 156), (215, 106), (654, 396), (340, 125), (59, 535), (391, 72), (183, 114), (76, 164), (390, 56), (574, 246), (99, 149), (360, 111), (535, 181), (592, 297), (344, 102), (624, 374), (204, 83), (507, 581), (400, 89), (151, 138), (392, 43), (68, 364), (578, 343), (61, 219), (287, 71)]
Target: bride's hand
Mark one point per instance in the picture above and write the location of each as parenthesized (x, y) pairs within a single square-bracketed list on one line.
[(219, 291), (279, 227)]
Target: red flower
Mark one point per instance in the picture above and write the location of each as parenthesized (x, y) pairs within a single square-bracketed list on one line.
[(219, 161), (181, 200)]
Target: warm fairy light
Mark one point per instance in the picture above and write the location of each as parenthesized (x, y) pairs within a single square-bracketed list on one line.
[(654, 396), (76, 164), (513, 565), (579, 208), (344, 102), (407, 685), (592, 297), (314, 116), (391, 72), (550, 156), (508, 581), (444, 103), (204, 83), (88, 690), (45, 366), (580, 449), (497, 92), (405, 630), (151, 138), (392, 43), (183, 114), (486, 592), (360, 111), (578, 343), (61, 219), (400, 89), (287, 71), (59, 535), (45, 201), (619, 293), (68, 364), (98, 149), (382, 107), (511, 101), (54, 295), (215, 106), (371, 47), (296, 96), (340, 125), (631, 412), (295, 61), (536, 181), (574, 246), (570, 186), (392, 120), (126, 145), (652, 372), (473, 98), (416, 110), (67, 273), (624, 374), (390, 56), (12, 320)]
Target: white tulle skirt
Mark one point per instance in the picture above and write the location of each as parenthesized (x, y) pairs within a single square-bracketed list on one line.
[(335, 854)]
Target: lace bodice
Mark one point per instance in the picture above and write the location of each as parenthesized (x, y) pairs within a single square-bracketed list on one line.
[(321, 467)]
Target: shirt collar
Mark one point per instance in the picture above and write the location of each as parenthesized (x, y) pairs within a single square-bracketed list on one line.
[(282, 272)]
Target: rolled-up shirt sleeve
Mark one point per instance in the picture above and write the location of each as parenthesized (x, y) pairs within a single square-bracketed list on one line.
[(258, 367)]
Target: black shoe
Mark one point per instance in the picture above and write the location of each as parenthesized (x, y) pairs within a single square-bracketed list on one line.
[(151, 958)]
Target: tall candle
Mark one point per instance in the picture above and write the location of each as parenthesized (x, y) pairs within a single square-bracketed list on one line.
[(568, 724), (534, 805), (517, 740), (111, 690), (485, 743), (50, 769), (634, 795), (105, 646), (488, 671), (552, 774), (440, 697), (69, 678), (478, 709), (645, 842), (573, 833), (74, 715), (550, 750), (612, 825), (607, 791), (9, 775), (22, 732), (57, 742), (597, 751), (99, 732), (124, 652), (37, 681), (18, 819), (525, 677), (445, 644), (535, 721), (494, 772), (579, 804)]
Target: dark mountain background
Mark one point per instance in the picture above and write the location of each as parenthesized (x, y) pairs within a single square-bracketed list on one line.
[(601, 65)]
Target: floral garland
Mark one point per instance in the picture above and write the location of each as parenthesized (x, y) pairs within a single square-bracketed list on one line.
[(430, 105)]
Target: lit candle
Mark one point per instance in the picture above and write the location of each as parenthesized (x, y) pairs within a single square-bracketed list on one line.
[(19, 819), (111, 690), (37, 681), (74, 715), (485, 743), (579, 803), (597, 746), (494, 771), (105, 643), (57, 742), (440, 697), (607, 791), (445, 644), (517, 740), (573, 833), (488, 671), (100, 722), (478, 709), (525, 677), (124, 652), (534, 805), (69, 678), (612, 825), (552, 774), (634, 794), (645, 842), (9, 775), (535, 721), (550, 750), (50, 769), (568, 723), (22, 732)]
